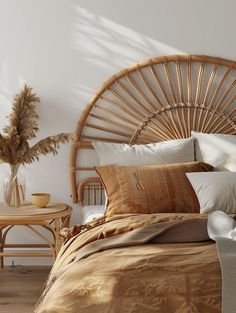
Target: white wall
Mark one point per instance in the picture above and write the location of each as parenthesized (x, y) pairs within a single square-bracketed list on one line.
[(66, 48)]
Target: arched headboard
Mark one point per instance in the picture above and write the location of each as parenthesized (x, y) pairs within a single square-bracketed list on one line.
[(158, 99)]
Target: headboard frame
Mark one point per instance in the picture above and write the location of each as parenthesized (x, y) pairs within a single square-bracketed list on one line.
[(158, 99)]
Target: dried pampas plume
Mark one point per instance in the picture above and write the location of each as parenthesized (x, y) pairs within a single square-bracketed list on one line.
[(23, 126)]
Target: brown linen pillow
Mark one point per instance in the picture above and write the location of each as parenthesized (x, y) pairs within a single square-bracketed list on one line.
[(151, 188)]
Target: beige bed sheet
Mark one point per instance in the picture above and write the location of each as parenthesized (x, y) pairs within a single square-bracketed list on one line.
[(165, 278)]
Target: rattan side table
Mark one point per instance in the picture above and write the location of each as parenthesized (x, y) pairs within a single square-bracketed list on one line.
[(52, 218)]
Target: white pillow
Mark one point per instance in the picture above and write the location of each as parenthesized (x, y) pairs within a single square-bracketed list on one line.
[(215, 190), (216, 149), (171, 151)]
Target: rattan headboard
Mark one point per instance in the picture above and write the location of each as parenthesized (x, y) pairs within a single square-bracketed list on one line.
[(154, 100)]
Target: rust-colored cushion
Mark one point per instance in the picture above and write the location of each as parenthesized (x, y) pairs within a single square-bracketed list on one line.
[(151, 188)]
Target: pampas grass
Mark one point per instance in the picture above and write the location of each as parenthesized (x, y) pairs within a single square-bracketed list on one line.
[(22, 127)]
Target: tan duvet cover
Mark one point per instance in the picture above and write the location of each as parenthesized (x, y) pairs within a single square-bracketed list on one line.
[(151, 277)]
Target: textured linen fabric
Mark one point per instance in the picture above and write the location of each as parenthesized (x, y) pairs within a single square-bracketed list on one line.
[(221, 224), (181, 231), (160, 278), (215, 191), (218, 150), (227, 254), (222, 228), (150, 189), (171, 151)]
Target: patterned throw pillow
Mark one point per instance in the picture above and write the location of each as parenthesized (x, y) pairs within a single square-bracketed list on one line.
[(150, 188)]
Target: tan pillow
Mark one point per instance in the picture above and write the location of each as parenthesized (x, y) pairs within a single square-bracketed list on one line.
[(151, 188)]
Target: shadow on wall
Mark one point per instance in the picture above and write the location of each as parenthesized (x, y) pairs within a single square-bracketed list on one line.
[(187, 25), (67, 55), (105, 47)]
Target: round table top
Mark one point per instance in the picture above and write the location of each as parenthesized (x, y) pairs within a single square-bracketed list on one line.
[(30, 211)]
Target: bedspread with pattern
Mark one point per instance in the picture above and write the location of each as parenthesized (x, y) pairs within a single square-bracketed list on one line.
[(182, 277)]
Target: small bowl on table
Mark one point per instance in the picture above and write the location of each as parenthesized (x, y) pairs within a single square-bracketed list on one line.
[(40, 200)]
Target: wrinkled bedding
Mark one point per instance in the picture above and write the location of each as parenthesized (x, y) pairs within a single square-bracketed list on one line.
[(155, 276), (222, 228)]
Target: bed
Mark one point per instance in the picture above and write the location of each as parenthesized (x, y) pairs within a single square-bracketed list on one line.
[(136, 258)]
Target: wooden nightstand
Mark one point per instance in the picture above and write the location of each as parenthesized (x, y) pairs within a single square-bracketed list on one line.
[(52, 218)]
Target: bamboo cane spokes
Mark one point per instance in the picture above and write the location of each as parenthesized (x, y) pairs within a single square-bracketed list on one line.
[(159, 99)]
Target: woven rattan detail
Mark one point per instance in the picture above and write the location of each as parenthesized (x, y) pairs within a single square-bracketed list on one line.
[(158, 99)]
